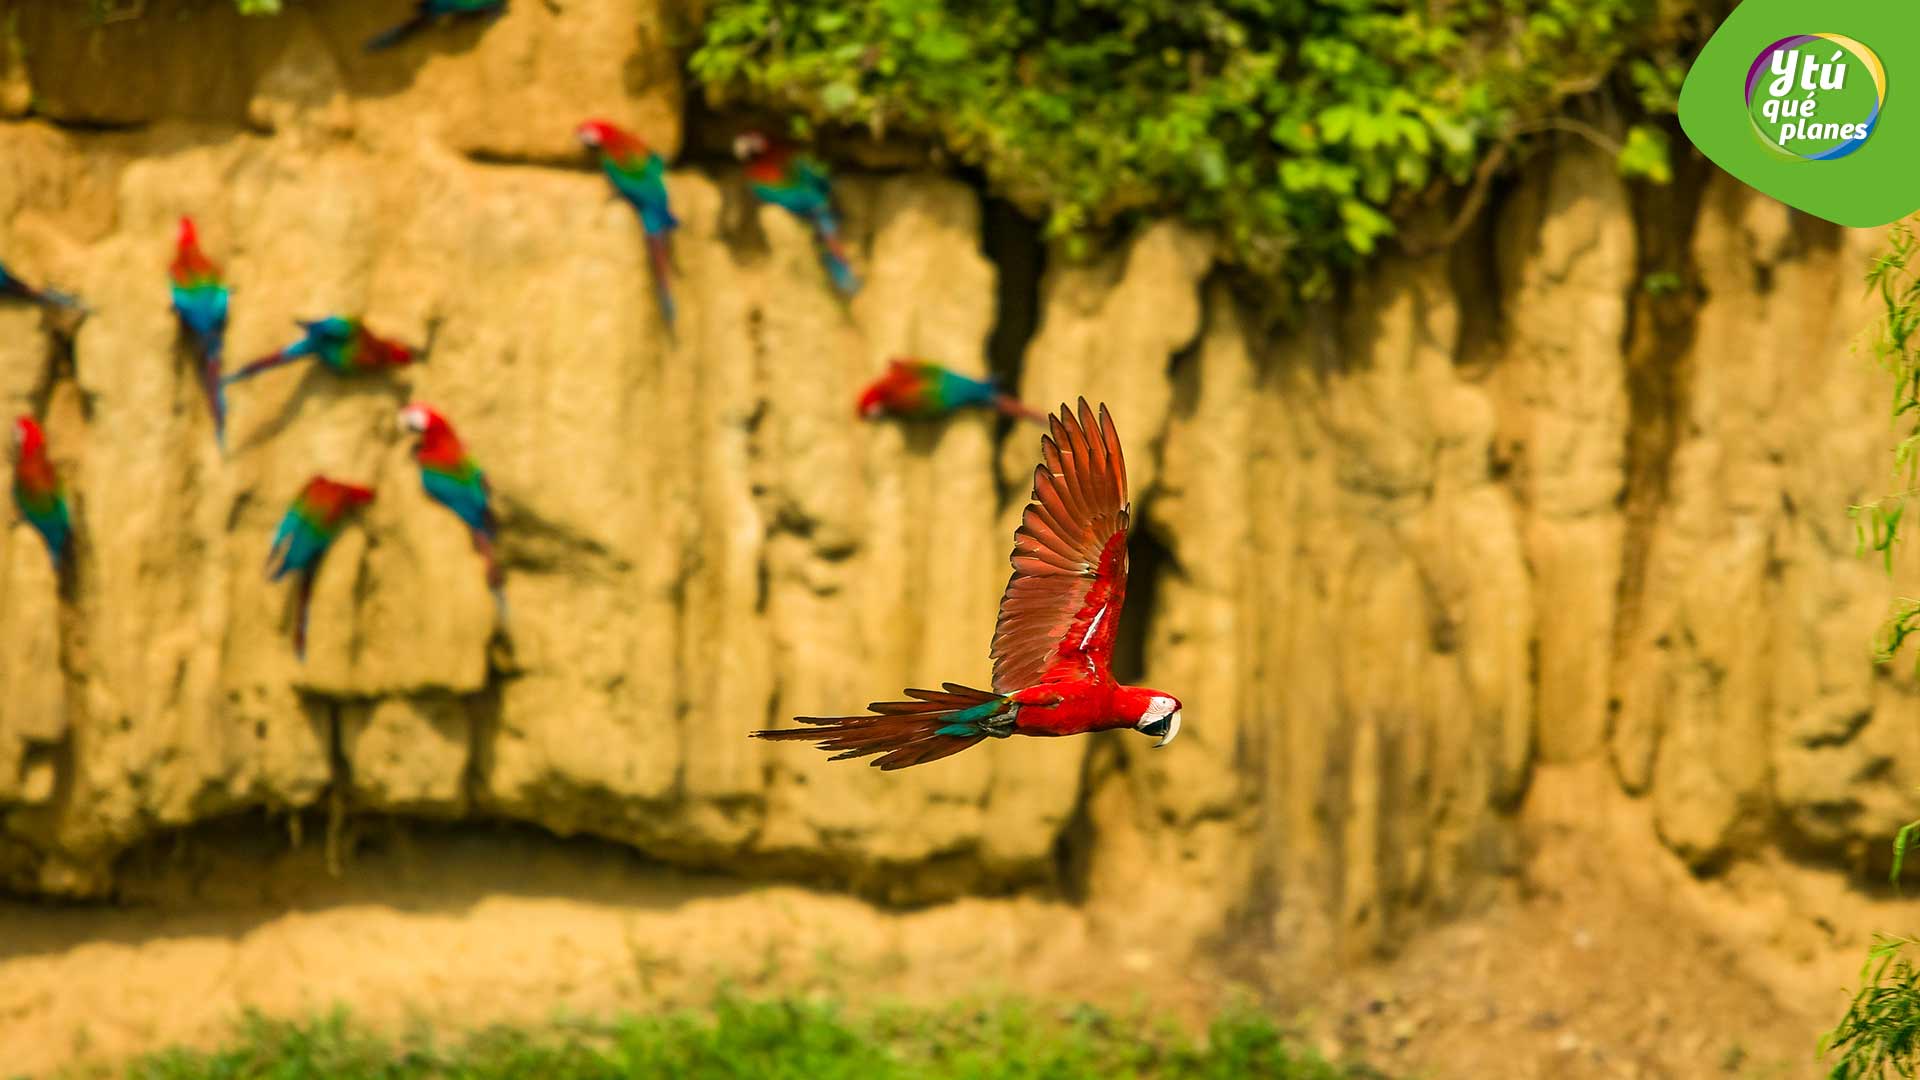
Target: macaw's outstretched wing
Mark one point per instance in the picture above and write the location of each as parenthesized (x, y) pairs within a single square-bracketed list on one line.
[(1062, 605)]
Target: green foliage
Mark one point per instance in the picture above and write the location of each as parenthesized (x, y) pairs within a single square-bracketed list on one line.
[(766, 1041), (1896, 345), (1880, 1034), (1296, 128)]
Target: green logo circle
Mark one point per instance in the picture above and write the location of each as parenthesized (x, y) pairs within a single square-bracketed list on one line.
[(1815, 97)]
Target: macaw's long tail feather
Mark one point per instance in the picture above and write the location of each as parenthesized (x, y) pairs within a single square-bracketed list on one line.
[(500, 606), (216, 391), (496, 574), (302, 602), (660, 248), (833, 254), (1017, 409), (53, 298), (65, 575), (933, 725), (387, 39), (265, 363)]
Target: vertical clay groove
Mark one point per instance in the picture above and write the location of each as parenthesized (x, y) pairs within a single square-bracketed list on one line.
[(1661, 324), (1016, 247)]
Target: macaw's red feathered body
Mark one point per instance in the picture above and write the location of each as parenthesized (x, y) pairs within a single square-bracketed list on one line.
[(918, 390), (1053, 644), (200, 301), (425, 12), (12, 288), (780, 175), (306, 530), (452, 479), (640, 176), (344, 345), (37, 490)]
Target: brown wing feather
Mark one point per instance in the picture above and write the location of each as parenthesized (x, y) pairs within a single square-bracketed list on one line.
[(1066, 574)]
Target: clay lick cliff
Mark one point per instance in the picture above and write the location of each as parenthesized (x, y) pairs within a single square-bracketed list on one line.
[(1495, 525)]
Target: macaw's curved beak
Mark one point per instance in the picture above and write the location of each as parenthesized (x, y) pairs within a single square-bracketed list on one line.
[(1166, 727)]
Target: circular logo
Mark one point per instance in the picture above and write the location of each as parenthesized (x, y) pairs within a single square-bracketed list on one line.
[(1815, 97)]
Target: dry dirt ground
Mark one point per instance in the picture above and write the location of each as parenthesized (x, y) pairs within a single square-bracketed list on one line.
[(1607, 961)]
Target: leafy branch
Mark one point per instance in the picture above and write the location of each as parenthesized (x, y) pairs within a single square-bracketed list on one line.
[(1300, 131), (1881, 1029), (1896, 346)]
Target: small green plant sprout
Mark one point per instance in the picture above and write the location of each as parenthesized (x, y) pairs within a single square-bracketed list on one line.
[(1662, 283), (1902, 842)]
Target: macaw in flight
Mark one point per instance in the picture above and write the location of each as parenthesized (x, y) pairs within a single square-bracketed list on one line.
[(344, 345), (918, 390), (1053, 644)]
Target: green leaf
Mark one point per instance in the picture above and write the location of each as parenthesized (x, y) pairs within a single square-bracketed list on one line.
[(1646, 155), (839, 97)]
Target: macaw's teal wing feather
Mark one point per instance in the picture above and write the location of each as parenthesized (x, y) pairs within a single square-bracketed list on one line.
[(203, 311), (297, 546), (50, 519), (463, 492)]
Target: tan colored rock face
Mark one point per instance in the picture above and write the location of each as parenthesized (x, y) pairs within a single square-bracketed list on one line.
[(1381, 556)]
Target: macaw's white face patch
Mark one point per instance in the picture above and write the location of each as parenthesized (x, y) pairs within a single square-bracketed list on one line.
[(1162, 718)]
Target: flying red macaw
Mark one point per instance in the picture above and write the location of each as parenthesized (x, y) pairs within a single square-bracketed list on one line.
[(344, 345), (306, 531), (1053, 643), (917, 390)]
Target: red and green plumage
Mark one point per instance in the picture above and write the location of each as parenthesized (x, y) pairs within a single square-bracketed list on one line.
[(639, 175), (200, 302), (1053, 643), (37, 490), (307, 529), (918, 390), (452, 479), (782, 176), (344, 345)]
